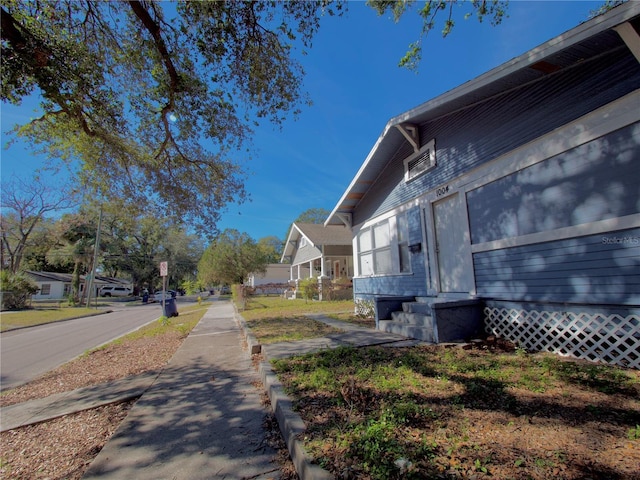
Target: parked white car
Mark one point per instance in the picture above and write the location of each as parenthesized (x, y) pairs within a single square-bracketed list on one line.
[(115, 291)]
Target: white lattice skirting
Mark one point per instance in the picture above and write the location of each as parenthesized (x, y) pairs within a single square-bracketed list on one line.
[(612, 339)]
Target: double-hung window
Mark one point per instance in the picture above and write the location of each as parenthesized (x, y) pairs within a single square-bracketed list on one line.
[(383, 248)]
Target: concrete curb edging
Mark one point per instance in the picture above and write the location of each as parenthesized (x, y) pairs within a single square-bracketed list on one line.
[(291, 426), (255, 348)]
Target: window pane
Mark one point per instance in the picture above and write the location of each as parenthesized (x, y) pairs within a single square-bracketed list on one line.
[(46, 289), (364, 240), (402, 228), (405, 260), (383, 261), (381, 237), (366, 264)]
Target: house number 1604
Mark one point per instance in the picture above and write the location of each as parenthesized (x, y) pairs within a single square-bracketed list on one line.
[(442, 191)]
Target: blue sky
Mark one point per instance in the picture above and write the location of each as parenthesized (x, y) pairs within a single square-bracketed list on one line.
[(356, 86)]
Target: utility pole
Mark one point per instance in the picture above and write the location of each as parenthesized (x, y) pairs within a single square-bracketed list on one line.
[(95, 259)]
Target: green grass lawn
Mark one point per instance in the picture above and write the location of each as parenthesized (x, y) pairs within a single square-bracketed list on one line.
[(265, 306), (274, 319), (41, 314), (187, 319), (436, 412), (445, 412)]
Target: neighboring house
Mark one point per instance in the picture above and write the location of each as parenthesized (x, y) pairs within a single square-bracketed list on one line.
[(274, 280), (314, 250), (58, 286), (513, 202)]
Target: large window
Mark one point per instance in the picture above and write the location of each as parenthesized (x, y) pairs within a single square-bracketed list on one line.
[(383, 248), (45, 289)]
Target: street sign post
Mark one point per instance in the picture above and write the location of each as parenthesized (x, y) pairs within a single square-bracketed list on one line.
[(164, 270)]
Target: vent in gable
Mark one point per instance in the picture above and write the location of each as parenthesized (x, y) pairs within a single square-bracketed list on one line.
[(421, 162)]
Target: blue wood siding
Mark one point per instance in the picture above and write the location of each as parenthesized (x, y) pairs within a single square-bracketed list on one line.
[(413, 284), (595, 269), (466, 139), (596, 181)]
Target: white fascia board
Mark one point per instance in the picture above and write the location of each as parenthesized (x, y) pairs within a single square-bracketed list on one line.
[(288, 246), (286, 251), (601, 23), (360, 171)]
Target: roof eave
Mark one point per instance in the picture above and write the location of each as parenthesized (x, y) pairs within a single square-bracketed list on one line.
[(601, 23)]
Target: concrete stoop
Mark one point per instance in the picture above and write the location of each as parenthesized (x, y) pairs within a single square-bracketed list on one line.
[(435, 319)]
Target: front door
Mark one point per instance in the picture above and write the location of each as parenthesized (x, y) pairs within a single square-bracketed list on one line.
[(453, 256)]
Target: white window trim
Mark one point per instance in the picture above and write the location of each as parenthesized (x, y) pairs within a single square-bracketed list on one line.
[(427, 148), (393, 247)]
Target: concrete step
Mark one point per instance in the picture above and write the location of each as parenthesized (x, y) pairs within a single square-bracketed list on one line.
[(423, 333), (417, 319), (422, 308)]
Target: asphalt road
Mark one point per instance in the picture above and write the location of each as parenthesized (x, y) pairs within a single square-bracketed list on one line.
[(30, 352)]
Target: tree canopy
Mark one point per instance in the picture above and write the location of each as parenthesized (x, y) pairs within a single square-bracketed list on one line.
[(230, 259), (157, 99), (25, 205)]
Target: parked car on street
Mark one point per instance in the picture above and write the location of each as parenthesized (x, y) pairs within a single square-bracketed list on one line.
[(115, 291)]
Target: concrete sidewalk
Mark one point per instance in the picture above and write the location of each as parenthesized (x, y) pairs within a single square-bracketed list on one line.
[(201, 419), (202, 416)]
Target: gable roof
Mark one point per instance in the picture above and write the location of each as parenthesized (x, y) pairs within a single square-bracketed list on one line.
[(317, 235), (49, 276), (590, 40)]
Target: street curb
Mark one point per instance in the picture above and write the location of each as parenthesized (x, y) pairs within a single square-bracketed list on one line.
[(255, 348), (291, 426)]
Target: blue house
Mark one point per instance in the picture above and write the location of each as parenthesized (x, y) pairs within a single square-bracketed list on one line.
[(511, 204)]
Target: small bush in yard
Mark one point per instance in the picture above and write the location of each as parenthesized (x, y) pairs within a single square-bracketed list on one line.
[(309, 288), (17, 290)]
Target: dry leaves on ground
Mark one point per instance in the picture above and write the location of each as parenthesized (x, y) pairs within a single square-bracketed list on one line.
[(64, 447)]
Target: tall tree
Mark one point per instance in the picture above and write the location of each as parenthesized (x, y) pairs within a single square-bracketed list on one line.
[(313, 215), (24, 206), (42, 240), (157, 99), (230, 259), (271, 248), (76, 244)]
